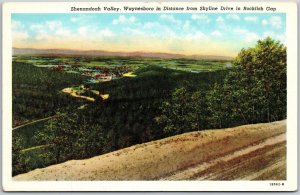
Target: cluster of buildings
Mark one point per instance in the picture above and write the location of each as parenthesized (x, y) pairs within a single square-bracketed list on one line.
[(97, 74)]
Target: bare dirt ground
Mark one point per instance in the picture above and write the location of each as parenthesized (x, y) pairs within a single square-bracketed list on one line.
[(249, 152)]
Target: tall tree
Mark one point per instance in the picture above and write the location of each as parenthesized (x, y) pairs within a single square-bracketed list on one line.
[(199, 110), (18, 158), (254, 90), (60, 135), (177, 116), (260, 79)]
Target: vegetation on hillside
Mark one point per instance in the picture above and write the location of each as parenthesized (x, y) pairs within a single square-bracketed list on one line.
[(253, 91), (159, 102), (248, 152), (37, 92), (125, 119)]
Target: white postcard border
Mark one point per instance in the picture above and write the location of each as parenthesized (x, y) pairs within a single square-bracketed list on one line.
[(290, 8)]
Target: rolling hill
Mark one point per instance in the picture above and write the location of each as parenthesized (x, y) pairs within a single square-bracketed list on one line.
[(67, 52), (249, 152)]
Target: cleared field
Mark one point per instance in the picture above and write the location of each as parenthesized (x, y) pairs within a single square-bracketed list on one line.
[(249, 152)]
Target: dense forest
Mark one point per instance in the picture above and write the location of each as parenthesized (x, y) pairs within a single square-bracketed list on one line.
[(37, 92), (160, 102), (253, 91)]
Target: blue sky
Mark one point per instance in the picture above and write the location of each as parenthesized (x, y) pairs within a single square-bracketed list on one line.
[(190, 34)]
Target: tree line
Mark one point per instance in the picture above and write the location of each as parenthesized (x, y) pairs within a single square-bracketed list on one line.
[(253, 91)]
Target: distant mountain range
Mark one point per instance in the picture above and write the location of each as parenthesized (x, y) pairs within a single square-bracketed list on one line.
[(66, 52)]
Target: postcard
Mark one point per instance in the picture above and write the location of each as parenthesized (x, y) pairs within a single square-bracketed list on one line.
[(149, 96)]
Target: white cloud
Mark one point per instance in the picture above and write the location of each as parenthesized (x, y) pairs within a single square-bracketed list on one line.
[(16, 25), (133, 31), (216, 33), (83, 19), (281, 38), (269, 34), (37, 27), (195, 36), (49, 28), (164, 29), (251, 19), (251, 36), (275, 22), (20, 35), (132, 19), (170, 18), (43, 36), (87, 31), (106, 33), (240, 31), (186, 26), (54, 25), (63, 32), (245, 34), (200, 17), (122, 19), (168, 32), (151, 24), (83, 30), (40, 30), (75, 19), (264, 22), (220, 19), (274, 35), (233, 17)]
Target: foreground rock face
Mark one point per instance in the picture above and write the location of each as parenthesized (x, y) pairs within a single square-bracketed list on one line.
[(249, 152)]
